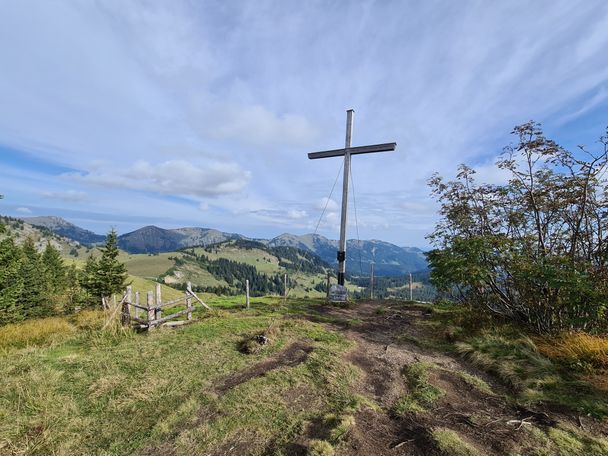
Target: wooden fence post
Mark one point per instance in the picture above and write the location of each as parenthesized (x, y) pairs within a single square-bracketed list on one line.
[(285, 291), (247, 293), (189, 302), (159, 301), (137, 304), (411, 294), (150, 310), (126, 308)]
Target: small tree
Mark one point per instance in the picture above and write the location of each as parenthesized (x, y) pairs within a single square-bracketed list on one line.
[(11, 283), (55, 275), (54, 268), (106, 276), (34, 296)]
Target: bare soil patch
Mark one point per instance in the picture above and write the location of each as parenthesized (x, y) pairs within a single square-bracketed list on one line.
[(383, 336), (290, 356)]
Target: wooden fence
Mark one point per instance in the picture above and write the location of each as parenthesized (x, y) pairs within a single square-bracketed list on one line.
[(150, 315)]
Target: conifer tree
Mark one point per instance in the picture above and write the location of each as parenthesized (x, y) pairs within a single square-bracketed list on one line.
[(54, 268), (55, 275), (11, 284), (113, 272), (34, 294), (90, 279), (106, 276), (74, 294)]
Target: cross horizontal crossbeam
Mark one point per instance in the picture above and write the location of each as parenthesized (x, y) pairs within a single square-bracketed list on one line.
[(386, 147)]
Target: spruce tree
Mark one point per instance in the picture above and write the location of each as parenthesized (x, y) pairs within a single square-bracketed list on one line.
[(113, 272), (75, 296), (55, 275), (11, 283), (106, 276), (35, 293), (54, 268), (90, 280)]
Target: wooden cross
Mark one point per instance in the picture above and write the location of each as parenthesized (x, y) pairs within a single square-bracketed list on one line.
[(347, 152)]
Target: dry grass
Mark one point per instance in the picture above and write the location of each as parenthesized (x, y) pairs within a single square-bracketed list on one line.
[(576, 349), (35, 332), (88, 319), (598, 380), (450, 443), (580, 351)]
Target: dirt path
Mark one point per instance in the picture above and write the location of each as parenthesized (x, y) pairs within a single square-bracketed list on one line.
[(479, 417), (468, 406)]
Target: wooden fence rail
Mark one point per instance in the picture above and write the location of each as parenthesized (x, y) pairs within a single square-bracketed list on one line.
[(153, 318)]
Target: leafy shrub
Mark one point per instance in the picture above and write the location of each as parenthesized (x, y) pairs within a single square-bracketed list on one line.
[(531, 250)]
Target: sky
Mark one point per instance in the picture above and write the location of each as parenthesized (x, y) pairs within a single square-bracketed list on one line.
[(201, 113)]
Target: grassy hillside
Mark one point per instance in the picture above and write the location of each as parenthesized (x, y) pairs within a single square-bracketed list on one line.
[(266, 261), (262, 260), (374, 378), (121, 395), (20, 230), (145, 265)]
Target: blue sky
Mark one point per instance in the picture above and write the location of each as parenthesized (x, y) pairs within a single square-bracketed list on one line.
[(181, 113)]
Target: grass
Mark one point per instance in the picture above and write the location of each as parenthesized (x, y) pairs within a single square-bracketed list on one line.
[(31, 333), (341, 427), (534, 378), (569, 442), (263, 261), (191, 272), (422, 394), (451, 444), (90, 392), (565, 370), (563, 440), (144, 285), (320, 448), (473, 380), (144, 265), (576, 349)]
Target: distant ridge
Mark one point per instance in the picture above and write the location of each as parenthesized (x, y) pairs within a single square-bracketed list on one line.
[(64, 228), (389, 259), (152, 239)]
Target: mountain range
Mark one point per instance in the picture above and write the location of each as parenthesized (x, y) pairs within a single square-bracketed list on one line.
[(388, 259)]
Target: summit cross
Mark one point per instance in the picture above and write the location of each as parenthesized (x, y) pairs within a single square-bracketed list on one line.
[(346, 153)]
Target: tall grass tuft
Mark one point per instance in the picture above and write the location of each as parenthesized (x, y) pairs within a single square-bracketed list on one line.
[(515, 360), (35, 333), (576, 348)]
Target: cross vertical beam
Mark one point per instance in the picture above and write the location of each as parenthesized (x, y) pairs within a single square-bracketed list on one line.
[(347, 152), (343, 218)]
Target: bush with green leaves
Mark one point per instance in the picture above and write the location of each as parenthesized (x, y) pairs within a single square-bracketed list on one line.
[(534, 249)]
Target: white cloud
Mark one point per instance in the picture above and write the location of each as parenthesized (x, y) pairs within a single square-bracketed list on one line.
[(257, 125), (129, 91), (71, 196), (174, 177), (296, 214), (328, 204), (24, 210)]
